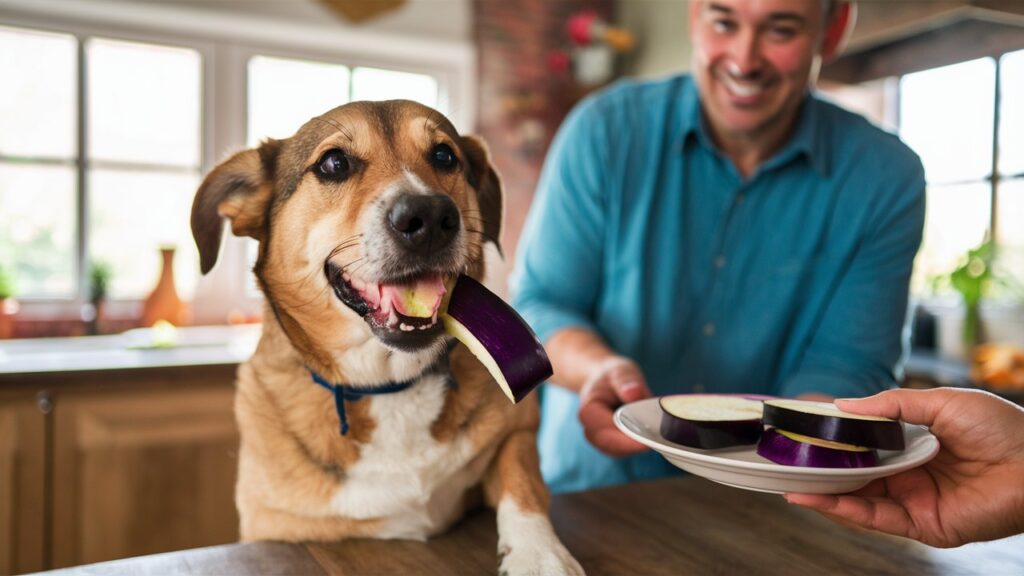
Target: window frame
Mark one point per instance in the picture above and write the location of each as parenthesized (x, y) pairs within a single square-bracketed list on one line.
[(225, 43), (995, 176)]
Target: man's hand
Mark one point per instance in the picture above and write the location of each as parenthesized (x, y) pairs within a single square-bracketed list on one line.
[(971, 491), (611, 383)]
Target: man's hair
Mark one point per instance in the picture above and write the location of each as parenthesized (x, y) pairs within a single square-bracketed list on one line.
[(828, 8)]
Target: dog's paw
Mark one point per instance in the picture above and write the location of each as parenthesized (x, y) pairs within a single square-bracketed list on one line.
[(550, 560)]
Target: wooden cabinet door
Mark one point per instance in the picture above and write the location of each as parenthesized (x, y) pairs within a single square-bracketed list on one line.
[(143, 471), (22, 485)]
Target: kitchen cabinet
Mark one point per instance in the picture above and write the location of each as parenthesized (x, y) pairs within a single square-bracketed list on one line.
[(22, 483), (99, 462)]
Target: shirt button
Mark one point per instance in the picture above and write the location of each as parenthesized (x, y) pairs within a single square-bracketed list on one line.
[(709, 329), (720, 262), (698, 387)]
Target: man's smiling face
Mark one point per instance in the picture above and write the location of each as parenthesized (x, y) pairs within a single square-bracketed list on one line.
[(754, 60)]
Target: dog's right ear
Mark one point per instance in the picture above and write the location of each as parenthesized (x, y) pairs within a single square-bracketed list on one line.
[(238, 189)]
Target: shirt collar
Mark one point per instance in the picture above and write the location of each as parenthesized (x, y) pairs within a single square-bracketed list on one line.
[(808, 139)]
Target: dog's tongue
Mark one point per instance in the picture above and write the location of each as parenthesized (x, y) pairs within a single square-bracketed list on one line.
[(418, 300)]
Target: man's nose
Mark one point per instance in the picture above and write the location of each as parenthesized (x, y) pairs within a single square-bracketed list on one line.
[(745, 57)]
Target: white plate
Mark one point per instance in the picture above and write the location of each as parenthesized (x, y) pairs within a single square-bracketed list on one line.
[(741, 467)]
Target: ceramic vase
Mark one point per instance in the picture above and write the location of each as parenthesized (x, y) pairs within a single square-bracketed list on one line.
[(163, 303)]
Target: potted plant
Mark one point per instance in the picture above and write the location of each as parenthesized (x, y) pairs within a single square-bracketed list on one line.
[(6, 295), (99, 281), (976, 278)]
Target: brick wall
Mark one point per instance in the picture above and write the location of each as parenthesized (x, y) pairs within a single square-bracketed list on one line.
[(521, 103)]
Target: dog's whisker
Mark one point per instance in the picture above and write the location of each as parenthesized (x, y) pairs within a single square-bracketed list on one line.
[(341, 129), (483, 235)]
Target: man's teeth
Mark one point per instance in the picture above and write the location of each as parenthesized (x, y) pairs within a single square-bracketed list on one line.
[(742, 89)]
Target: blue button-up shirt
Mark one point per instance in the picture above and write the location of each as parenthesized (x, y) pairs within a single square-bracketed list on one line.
[(793, 280)]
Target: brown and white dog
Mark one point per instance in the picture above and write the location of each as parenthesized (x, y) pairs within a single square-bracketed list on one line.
[(362, 203)]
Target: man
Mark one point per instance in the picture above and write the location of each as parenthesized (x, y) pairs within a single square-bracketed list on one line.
[(724, 231)]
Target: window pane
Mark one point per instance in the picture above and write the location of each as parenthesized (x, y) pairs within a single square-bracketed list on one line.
[(284, 94), (957, 219), (37, 229), (1010, 226), (37, 101), (376, 84), (144, 103), (946, 117), (133, 214), (1011, 130)]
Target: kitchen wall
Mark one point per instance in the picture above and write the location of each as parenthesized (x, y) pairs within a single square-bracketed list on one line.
[(660, 26), (437, 19)]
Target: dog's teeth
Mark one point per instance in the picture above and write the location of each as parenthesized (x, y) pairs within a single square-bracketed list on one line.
[(405, 327)]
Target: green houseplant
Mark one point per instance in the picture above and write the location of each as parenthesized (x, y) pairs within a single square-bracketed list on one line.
[(99, 281), (973, 280), (6, 285), (6, 292)]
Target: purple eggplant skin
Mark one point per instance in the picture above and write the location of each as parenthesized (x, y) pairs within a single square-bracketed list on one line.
[(788, 452), (503, 333), (710, 434), (883, 435)]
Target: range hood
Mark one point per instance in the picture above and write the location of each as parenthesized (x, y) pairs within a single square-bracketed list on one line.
[(895, 37)]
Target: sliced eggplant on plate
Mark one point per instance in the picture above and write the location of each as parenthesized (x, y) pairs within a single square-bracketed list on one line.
[(710, 421), (789, 449), (826, 422)]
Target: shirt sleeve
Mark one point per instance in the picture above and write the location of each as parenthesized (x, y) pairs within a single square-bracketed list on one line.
[(859, 343), (558, 270)]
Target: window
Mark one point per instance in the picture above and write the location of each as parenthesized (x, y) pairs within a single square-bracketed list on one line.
[(284, 93), (100, 156), (114, 195), (38, 198), (973, 154), (143, 145)]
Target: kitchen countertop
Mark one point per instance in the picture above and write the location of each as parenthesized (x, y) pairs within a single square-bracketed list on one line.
[(673, 526), (134, 349)]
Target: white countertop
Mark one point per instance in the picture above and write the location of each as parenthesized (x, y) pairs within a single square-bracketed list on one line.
[(140, 348)]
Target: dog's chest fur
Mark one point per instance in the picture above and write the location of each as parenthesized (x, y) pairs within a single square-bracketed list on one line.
[(404, 476)]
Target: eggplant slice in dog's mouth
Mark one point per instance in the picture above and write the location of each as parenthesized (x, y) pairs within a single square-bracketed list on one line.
[(410, 305)]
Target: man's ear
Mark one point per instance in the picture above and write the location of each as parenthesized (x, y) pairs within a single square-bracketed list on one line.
[(238, 189), (488, 187), (838, 30)]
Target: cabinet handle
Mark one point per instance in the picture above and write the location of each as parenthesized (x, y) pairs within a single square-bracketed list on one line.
[(44, 401)]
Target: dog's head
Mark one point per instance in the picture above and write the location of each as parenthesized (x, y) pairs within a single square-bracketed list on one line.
[(362, 217)]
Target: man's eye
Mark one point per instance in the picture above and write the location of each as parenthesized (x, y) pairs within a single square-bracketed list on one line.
[(333, 165), (723, 25), (782, 32), (442, 157)]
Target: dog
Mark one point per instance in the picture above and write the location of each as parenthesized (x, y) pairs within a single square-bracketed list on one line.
[(357, 418)]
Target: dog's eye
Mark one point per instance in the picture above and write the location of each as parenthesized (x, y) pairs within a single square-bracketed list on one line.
[(333, 165), (442, 157)]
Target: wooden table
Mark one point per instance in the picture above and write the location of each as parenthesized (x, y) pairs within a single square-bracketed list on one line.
[(675, 526)]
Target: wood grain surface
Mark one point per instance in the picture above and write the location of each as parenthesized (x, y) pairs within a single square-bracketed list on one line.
[(673, 526)]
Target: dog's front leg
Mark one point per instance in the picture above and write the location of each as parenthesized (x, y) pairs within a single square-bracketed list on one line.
[(527, 543)]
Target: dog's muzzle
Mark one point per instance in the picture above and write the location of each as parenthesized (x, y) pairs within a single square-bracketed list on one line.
[(414, 260)]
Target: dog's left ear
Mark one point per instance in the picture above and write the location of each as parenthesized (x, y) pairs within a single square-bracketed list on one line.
[(239, 189), (488, 187)]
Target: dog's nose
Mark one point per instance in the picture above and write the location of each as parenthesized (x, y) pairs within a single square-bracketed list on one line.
[(424, 222)]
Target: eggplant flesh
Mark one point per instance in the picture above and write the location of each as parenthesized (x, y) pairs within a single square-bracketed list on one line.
[(825, 421), (709, 421), (497, 335), (782, 448)]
